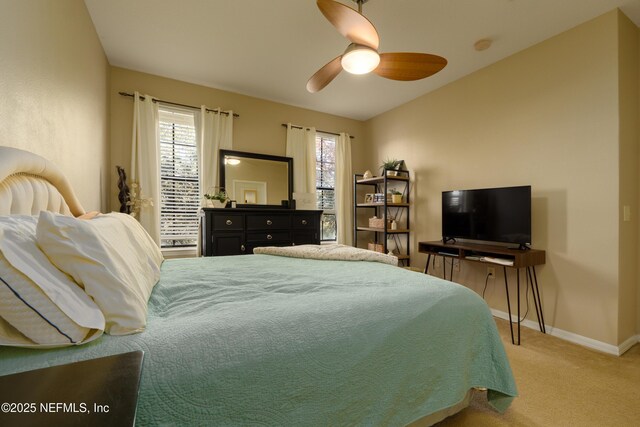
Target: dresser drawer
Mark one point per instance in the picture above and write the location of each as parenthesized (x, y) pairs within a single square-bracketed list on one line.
[(305, 238), (268, 222), (266, 237), (228, 222), (304, 221), (228, 244)]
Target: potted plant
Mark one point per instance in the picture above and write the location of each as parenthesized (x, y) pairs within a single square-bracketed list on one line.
[(390, 166), (217, 199), (396, 196)]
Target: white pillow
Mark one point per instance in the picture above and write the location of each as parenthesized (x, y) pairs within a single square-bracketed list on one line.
[(39, 305), (112, 257)]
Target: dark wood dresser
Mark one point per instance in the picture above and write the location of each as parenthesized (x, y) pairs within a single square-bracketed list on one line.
[(238, 231)]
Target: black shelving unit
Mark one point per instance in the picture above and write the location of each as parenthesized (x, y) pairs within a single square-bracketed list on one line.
[(384, 209)]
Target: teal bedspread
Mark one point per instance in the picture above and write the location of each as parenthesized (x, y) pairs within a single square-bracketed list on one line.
[(265, 340)]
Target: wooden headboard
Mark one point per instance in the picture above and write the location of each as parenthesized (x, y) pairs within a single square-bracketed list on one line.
[(30, 183)]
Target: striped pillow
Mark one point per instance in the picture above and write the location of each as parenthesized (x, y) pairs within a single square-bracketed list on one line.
[(30, 311), (40, 306)]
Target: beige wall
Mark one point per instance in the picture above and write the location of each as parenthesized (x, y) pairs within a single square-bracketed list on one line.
[(628, 93), (548, 117), (257, 130), (54, 90), (638, 213)]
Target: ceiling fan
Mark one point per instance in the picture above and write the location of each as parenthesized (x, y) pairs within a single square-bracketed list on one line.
[(362, 56)]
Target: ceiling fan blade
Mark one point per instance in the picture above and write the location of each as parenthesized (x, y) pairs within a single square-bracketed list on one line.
[(407, 66), (350, 23), (324, 75)]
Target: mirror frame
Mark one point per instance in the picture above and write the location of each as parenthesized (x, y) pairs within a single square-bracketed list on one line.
[(241, 154)]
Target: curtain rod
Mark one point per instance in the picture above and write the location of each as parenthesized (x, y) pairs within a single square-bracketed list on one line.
[(323, 131), (180, 105)]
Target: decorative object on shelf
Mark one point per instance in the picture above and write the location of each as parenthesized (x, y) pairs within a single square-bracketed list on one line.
[(375, 247), (394, 224), (396, 196), (376, 222), (368, 174), (389, 167), (378, 198), (216, 199), (368, 198)]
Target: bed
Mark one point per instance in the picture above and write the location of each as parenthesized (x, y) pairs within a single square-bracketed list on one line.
[(270, 340)]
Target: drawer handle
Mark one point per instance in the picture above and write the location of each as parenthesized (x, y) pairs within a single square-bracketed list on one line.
[(304, 222), (242, 248), (269, 237), (229, 222), (269, 222)]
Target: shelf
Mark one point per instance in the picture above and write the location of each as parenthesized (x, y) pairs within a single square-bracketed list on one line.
[(381, 230), (384, 208), (389, 205), (485, 254), (380, 179)]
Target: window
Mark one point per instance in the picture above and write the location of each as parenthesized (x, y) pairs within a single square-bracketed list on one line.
[(179, 187), (325, 184)]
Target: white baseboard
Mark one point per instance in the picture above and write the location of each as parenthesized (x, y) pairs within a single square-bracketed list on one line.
[(628, 344), (574, 338)]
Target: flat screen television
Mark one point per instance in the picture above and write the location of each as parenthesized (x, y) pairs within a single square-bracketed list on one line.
[(488, 214)]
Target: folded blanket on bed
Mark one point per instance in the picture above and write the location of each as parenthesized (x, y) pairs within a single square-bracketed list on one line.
[(333, 252)]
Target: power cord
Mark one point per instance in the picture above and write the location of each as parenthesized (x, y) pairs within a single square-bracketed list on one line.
[(446, 262), (486, 282)]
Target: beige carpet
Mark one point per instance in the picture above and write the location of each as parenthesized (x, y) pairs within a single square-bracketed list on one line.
[(562, 384)]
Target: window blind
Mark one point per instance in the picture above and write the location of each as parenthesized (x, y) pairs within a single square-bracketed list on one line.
[(180, 193), (325, 184)]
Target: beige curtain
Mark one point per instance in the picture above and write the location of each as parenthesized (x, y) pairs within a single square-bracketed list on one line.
[(301, 146), (344, 190), (214, 132), (145, 165)]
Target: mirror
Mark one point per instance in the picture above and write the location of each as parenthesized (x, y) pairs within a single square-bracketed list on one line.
[(257, 180)]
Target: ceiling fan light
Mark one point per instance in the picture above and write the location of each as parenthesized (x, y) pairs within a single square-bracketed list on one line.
[(359, 59)]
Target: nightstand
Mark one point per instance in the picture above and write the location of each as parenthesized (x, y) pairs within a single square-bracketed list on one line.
[(96, 392)]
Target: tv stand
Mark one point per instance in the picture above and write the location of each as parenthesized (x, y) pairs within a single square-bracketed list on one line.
[(504, 257)]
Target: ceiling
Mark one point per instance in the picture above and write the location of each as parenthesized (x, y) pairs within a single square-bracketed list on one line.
[(269, 48)]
